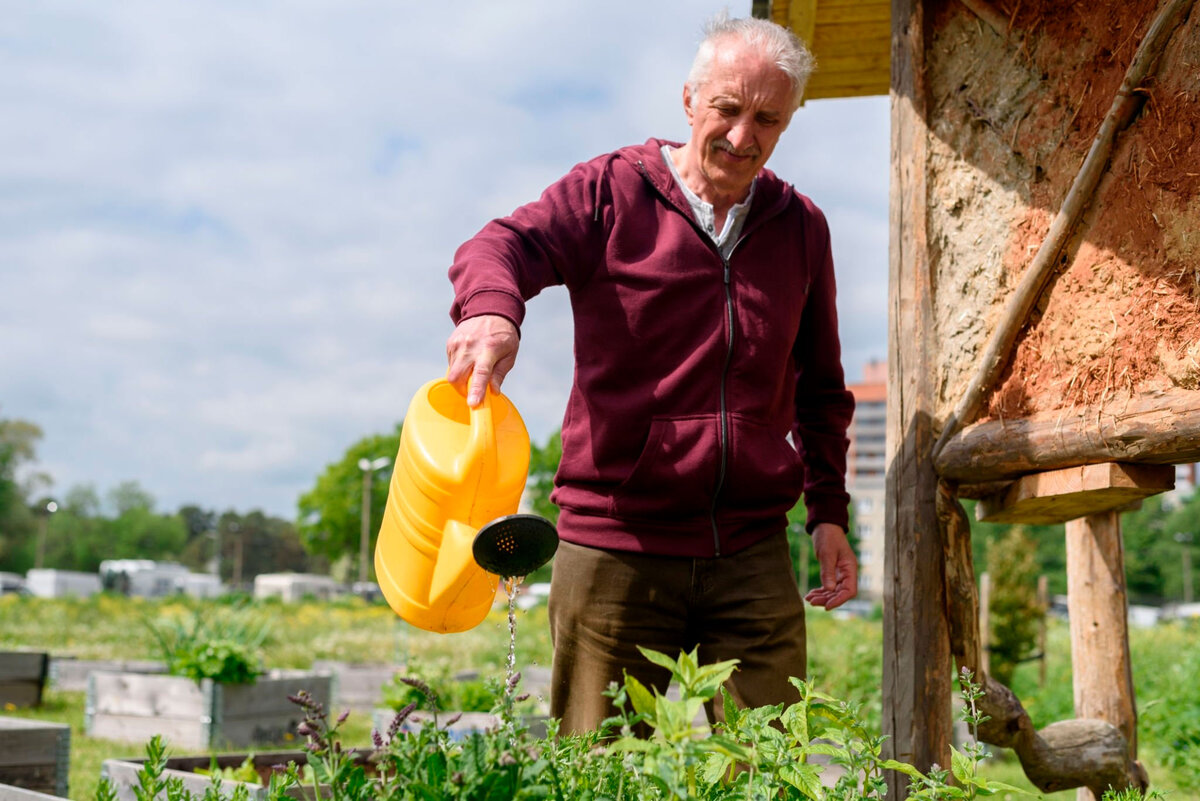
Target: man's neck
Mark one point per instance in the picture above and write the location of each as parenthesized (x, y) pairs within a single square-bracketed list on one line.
[(688, 167)]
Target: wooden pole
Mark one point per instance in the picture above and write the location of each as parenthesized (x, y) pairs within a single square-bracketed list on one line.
[(1043, 598), (917, 668), (1098, 608), (985, 622)]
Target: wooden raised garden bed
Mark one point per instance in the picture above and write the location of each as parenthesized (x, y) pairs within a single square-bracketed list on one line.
[(22, 677), (68, 674), (34, 755), (133, 707), (358, 686)]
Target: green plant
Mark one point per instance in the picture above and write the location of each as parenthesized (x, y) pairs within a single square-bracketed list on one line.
[(765, 753), (1015, 610), (224, 645)]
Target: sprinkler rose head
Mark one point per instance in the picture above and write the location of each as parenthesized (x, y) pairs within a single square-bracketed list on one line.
[(515, 545)]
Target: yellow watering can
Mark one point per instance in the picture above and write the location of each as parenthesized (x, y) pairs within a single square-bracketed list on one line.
[(451, 507)]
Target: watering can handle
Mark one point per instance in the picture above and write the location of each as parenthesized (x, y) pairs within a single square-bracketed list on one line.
[(480, 451)]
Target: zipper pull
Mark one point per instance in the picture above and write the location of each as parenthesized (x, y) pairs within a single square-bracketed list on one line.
[(726, 262)]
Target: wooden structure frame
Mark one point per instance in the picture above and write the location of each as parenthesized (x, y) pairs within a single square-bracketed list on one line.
[(1093, 460)]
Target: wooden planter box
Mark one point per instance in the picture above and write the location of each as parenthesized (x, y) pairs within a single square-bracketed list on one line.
[(10, 793), (68, 674), (34, 755), (123, 773), (22, 677), (133, 707), (356, 686)]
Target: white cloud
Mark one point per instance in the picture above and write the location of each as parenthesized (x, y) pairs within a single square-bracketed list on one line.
[(225, 228)]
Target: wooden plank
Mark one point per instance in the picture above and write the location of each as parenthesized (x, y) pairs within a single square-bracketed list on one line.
[(1160, 427), (916, 651), (801, 18), (31, 742), (874, 38), (1057, 496), (269, 695), (26, 692), (10, 793), (146, 695), (22, 664), (841, 13), (178, 732), (70, 674), (1097, 607)]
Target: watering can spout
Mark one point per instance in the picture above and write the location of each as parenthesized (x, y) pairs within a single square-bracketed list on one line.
[(457, 469)]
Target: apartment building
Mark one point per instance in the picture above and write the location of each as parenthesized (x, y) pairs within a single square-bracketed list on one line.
[(866, 469)]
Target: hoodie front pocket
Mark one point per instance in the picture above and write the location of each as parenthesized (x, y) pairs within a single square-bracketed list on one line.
[(766, 474), (675, 475)]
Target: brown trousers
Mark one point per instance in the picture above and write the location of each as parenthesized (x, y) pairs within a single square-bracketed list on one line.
[(603, 604)]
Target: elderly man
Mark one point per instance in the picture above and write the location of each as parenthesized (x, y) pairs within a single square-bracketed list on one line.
[(703, 293)]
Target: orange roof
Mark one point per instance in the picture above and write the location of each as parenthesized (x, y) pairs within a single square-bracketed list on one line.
[(868, 392)]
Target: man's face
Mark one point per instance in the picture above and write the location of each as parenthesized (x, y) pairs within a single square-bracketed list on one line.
[(737, 115)]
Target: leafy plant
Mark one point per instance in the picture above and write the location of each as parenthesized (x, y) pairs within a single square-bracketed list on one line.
[(765, 753), (223, 645), (1015, 610), (443, 691)]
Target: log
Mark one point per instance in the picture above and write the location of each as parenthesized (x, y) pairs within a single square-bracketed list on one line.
[(1160, 427), (1057, 496), (1075, 753), (916, 644)]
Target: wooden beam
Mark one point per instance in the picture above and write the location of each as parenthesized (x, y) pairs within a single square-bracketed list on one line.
[(1098, 610), (1072, 492), (1161, 427), (916, 649)]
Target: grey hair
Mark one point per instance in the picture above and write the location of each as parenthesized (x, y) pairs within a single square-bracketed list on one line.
[(774, 42)]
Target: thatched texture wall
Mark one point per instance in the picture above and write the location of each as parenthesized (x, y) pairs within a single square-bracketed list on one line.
[(1012, 115)]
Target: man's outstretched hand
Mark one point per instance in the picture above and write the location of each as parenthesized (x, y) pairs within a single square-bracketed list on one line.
[(839, 567), (481, 350)]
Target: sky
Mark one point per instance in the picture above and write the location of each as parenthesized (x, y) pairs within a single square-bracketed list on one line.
[(225, 226)]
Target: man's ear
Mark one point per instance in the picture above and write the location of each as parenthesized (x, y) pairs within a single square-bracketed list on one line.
[(687, 103)]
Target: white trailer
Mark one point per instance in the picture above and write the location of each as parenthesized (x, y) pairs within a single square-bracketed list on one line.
[(295, 586), (51, 583)]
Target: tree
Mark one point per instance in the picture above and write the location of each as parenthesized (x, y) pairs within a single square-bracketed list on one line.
[(17, 524), (1015, 611), (543, 464), (330, 514)]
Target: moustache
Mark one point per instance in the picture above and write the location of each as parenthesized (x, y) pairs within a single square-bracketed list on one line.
[(727, 146)]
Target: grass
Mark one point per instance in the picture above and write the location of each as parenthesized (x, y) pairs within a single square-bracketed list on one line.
[(844, 659)]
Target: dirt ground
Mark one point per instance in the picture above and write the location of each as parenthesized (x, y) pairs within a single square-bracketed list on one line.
[(1012, 120)]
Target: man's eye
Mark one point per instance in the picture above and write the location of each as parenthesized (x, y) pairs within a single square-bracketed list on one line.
[(766, 120)]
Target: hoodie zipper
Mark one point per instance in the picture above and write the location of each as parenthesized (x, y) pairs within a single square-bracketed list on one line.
[(724, 465), (726, 281)]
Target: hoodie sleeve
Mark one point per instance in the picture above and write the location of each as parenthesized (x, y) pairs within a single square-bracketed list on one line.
[(824, 407), (554, 240)]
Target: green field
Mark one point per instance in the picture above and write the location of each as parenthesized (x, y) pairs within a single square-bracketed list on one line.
[(844, 654)]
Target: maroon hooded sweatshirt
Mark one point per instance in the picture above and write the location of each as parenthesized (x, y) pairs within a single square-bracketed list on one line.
[(690, 370)]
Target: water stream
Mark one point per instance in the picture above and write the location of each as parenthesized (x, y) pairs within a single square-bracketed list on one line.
[(511, 677)]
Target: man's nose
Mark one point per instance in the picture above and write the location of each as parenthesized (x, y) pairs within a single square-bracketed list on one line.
[(742, 134)]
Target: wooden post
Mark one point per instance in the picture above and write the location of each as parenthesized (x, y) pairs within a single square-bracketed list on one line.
[(1043, 599), (917, 669), (985, 622), (1097, 606)]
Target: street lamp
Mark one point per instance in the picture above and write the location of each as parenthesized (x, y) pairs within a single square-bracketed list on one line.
[(1184, 538), (368, 468), (43, 524)]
